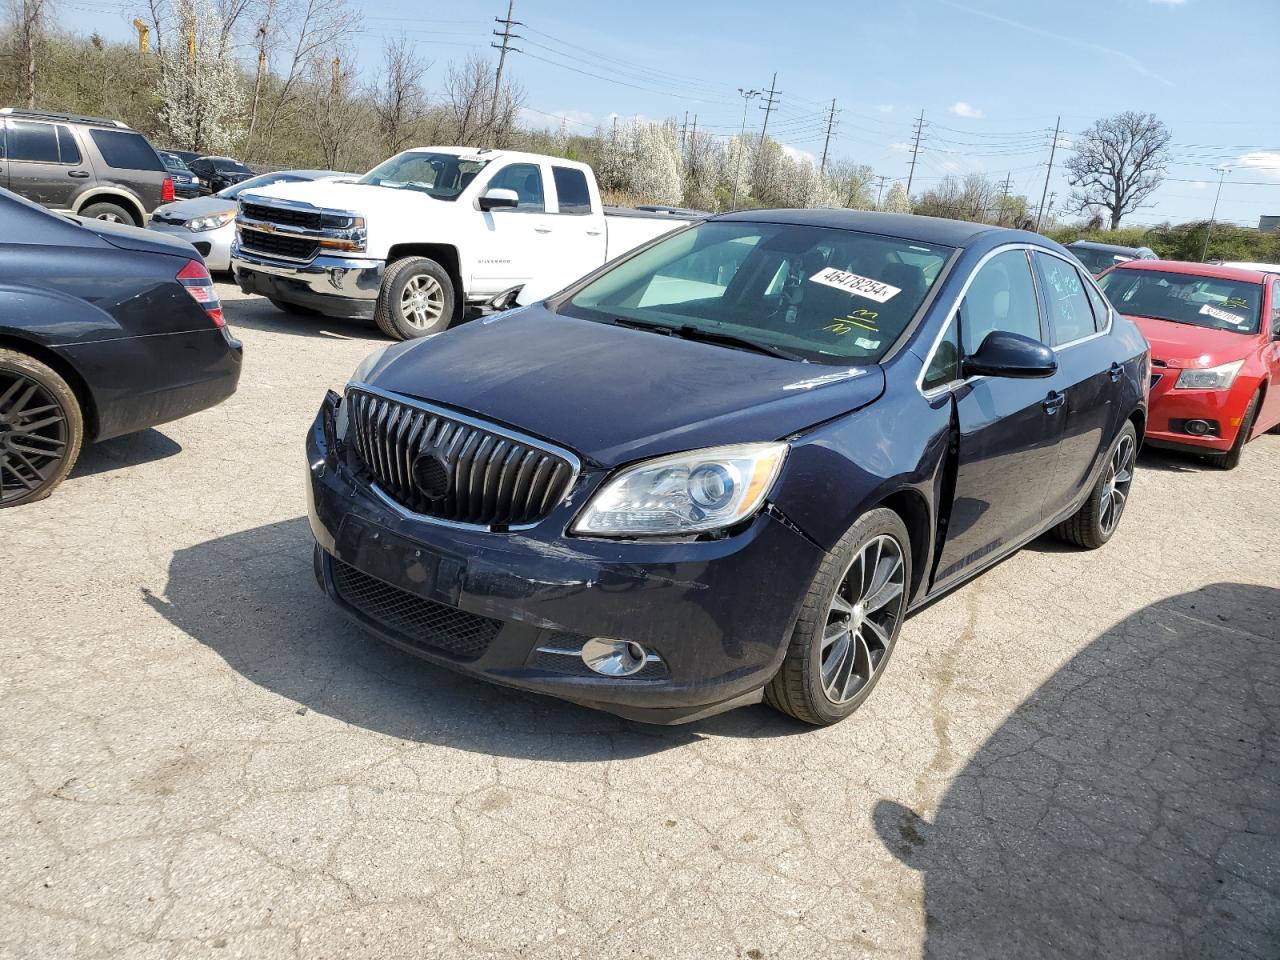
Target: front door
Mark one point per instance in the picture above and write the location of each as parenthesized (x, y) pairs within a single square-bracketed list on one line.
[(1269, 413), (1009, 429), (37, 168), (516, 241)]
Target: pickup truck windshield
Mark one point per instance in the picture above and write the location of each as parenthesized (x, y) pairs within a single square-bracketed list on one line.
[(1233, 305), (442, 175), (819, 293), (1095, 261)]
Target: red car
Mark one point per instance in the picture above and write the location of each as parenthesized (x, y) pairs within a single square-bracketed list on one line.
[(1215, 351)]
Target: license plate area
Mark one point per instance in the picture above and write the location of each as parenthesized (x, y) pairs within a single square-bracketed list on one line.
[(399, 561)]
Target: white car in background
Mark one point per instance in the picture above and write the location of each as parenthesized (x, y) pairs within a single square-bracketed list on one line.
[(208, 223), (1242, 265)]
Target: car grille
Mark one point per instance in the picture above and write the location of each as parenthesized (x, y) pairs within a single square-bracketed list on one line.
[(447, 467), (284, 216), (276, 245), (434, 627)]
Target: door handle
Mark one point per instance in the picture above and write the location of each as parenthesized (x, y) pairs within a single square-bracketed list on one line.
[(541, 229), (594, 233), (78, 174), (1053, 401), (1115, 371)]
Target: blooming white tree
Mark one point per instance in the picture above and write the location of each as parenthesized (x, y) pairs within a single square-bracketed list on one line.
[(200, 83), (897, 201), (655, 170)]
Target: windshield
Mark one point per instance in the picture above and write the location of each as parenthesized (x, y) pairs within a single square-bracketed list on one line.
[(174, 163), (1095, 261), (818, 293), (441, 175), (1185, 298), (263, 180), (230, 166)]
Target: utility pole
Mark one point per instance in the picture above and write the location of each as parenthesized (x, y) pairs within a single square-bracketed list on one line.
[(747, 97), (693, 134), (1222, 175), (507, 36), (915, 149), (770, 101), (1048, 210), (831, 119), (880, 190), (1052, 150), (683, 128), (1004, 196)]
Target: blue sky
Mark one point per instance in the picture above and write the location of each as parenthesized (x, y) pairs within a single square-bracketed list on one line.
[(990, 75)]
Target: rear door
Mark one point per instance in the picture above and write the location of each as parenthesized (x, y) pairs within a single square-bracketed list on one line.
[(1008, 429), (578, 233), (1269, 414), (44, 163), (1087, 376), (514, 242), (127, 159)]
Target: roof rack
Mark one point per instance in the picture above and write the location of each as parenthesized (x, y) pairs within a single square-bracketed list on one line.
[(69, 117)]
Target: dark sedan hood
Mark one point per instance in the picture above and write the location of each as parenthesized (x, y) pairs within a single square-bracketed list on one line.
[(615, 394), (136, 238)]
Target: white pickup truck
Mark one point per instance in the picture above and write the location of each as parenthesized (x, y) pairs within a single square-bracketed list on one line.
[(429, 231)]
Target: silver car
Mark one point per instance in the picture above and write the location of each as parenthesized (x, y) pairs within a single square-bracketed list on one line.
[(209, 223)]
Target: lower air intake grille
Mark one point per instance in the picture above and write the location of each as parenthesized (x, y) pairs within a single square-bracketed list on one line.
[(434, 627)]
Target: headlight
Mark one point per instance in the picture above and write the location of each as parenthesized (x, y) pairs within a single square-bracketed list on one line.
[(200, 224), (1209, 378), (686, 493), (369, 362)]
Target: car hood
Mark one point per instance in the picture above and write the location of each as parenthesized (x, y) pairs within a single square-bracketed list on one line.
[(138, 238), (614, 394), (1185, 345), (361, 198), (196, 207)]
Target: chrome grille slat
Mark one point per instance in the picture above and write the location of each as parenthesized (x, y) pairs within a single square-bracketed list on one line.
[(495, 478)]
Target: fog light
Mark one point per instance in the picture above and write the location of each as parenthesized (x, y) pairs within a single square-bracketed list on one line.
[(613, 658), (1197, 428)]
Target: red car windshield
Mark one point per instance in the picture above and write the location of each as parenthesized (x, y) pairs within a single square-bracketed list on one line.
[(1210, 302)]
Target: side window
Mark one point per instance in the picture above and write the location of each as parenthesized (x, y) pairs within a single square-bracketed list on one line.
[(526, 180), (571, 190), (3, 129), (68, 151), (126, 151), (1101, 309), (1275, 305), (33, 142), (1070, 316), (945, 365), (1001, 297)]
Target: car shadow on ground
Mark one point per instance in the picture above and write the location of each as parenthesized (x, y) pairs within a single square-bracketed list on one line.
[(1175, 461), (251, 597), (258, 314), (131, 450), (1129, 807)]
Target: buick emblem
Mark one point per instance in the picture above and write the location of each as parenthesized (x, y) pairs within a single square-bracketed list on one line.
[(432, 476)]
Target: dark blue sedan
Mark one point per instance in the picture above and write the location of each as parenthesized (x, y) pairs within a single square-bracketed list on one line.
[(730, 465)]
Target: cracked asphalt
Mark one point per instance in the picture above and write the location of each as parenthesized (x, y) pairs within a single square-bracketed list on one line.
[(1075, 755)]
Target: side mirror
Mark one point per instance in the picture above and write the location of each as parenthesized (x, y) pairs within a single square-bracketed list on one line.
[(1005, 354), (498, 197)]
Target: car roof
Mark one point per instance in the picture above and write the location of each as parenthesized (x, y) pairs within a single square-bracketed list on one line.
[(489, 153), (1214, 270), (1260, 267), (906, 226), (1105, 247)]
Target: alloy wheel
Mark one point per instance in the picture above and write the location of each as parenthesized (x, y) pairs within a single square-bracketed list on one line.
[(110, 217), (33, 435), (422, 301), (1115, 484), (863, 617)]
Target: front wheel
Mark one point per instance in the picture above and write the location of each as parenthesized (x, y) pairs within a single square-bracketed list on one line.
[(849, 623), (1093, 524), (110, 212), (41, 428), (1231, 459), (417, 298)]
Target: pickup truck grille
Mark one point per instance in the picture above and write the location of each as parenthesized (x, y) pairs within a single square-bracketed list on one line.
[(452, 468), (278, 245), (285, 217)]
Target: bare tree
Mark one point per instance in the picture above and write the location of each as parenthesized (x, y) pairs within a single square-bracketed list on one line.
[(1118, 163), (400, 99), (466, 96), (336, 110), (29, 19)]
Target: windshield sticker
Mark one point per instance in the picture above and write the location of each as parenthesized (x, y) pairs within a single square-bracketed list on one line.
[(1239, 302), (856, 285), (1224, 316), (864, 344), (859, 319)]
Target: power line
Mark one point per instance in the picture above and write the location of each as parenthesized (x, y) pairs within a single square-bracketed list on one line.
[(770, 101), (1052, 151)]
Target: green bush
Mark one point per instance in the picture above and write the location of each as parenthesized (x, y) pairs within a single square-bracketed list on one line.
[(1185, 241)]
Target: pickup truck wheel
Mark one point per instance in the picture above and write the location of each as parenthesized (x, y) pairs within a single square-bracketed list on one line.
[(41, 429), (112, 213), (416, 299), (849, 623)]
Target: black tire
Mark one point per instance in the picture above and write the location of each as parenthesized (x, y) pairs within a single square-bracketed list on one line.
[(402, 280), (798, 688), (297, 309), (1231, 459), (41, 429), (112, 212), (1091, 526)]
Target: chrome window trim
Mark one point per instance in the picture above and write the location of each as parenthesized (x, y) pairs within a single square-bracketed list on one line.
[(569, 457)]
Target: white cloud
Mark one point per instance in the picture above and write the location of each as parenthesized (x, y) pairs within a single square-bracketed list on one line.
[(884, 107), (578, 121), (966, 110), (1266, 162), (900, 147), (795, 153)]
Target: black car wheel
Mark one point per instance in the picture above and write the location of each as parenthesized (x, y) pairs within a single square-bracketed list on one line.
[(849, 623), (110, 212), (41, 429), (1093, 524), (1231, 459), (416, 299)]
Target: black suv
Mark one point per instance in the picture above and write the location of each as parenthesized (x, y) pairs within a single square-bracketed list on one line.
[(88, 166)]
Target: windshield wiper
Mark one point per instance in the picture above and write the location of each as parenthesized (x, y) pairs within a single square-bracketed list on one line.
[(689, 332)]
